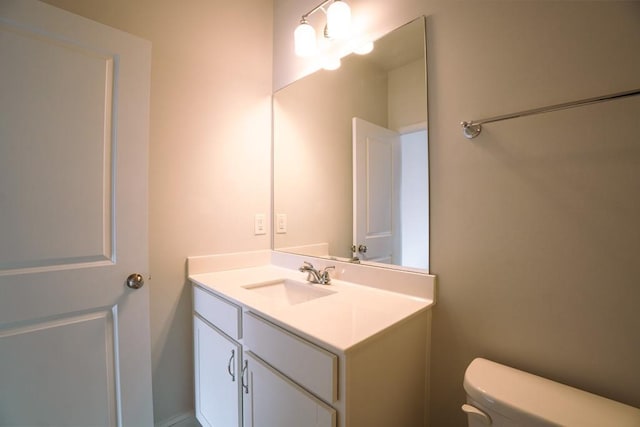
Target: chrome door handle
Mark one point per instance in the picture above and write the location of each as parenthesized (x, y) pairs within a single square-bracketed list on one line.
[(245, 387), (135, 281), (230, 364), (362, 249)]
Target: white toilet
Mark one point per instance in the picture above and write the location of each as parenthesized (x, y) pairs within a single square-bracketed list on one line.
[(501, 396)]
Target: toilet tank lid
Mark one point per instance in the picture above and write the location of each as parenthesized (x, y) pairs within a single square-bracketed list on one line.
[(528, 398)]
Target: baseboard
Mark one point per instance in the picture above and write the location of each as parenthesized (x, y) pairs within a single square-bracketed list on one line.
[(187, 419)]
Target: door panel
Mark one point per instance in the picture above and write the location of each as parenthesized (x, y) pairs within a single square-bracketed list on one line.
[(92, 394), (74, 339), (63, 124)]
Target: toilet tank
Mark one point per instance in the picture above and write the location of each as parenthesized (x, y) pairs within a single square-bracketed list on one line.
[(501, 396)]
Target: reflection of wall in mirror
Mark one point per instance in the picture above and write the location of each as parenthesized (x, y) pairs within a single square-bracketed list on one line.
[(407, 95)]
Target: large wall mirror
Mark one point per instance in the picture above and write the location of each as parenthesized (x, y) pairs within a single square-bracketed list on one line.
[(350, 153)]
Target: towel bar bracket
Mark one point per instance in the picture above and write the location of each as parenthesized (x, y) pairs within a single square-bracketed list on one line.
[(470, 129)]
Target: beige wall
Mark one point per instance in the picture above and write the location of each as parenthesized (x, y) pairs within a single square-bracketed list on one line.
[(535, 235), (209, 153)]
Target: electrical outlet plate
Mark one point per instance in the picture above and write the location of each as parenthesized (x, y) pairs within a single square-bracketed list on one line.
[(281, 223), (259, 224)]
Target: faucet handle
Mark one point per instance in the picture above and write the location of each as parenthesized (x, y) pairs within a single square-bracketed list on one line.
[(325, 276), (306, 266)]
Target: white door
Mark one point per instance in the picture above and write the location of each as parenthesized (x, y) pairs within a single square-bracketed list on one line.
[(74, 339), (376, 192)]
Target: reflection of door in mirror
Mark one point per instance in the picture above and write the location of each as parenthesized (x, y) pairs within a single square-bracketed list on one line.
[(376, 195), (390, 188)]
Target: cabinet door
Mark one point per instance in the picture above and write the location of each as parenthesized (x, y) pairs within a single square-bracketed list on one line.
[(270, 399), (217, 376)]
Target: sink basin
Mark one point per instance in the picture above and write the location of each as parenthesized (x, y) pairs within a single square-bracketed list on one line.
[(289, 291)]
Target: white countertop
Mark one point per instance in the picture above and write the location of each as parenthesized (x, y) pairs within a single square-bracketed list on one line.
[(341, 320)]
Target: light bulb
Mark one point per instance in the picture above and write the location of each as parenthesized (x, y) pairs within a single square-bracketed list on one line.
[(305, 39), (338, 20)]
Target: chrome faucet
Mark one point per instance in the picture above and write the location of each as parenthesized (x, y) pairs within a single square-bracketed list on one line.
[(315, 276)]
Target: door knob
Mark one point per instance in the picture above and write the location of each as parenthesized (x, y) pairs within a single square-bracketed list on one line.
[(362, 249), (135, 281)]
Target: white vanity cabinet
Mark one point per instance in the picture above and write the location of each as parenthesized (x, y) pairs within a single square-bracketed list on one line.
[(235, 387), (256, 367)]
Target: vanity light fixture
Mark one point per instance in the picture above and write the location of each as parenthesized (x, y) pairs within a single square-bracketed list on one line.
[(338, 27)]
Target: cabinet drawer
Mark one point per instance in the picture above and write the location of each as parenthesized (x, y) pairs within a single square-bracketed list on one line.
[(221, 313), (312, 367)]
